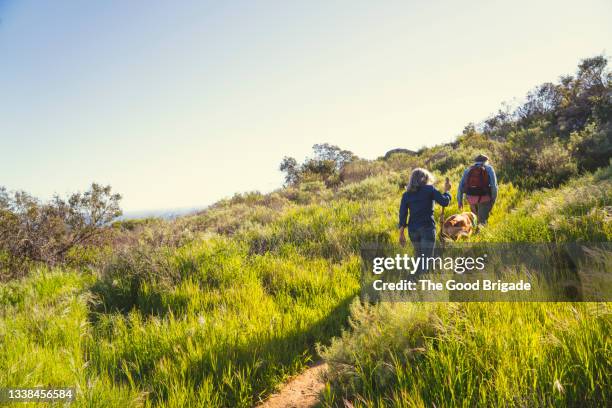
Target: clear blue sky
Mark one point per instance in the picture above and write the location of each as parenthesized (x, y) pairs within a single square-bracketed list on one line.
[(178, 104)]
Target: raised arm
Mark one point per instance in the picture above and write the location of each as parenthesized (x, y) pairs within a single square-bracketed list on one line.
[(443, 199)]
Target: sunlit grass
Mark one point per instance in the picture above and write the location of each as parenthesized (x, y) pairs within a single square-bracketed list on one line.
[(473, 354), (225, 317)]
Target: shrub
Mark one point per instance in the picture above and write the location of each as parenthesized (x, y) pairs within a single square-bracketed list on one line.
[(373, 188), (591, 147), (45, 232), (308, 193), (462, 156), (471, 139), (533, 159), (401, 162), (361, 169)]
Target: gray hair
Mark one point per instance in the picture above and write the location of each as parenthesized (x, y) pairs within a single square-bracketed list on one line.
[(419, 177), (481, 158)]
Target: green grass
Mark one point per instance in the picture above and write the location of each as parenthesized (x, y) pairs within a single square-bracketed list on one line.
[(488, 354), (231, 302), (473, 354), (228, 332), (577, 211), (44, 332)]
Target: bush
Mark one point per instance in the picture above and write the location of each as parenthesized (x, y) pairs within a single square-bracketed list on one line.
[(471, 139), (591, 147), (308, 193), (553, 166), (45, 232), (534, 159), (401, 162), (360, 170), (373, 188), (459, 157)]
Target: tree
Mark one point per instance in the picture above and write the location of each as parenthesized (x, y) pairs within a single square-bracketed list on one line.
[(327, 152), (499, 125), (567, 106), (34, 231), (541, 103), (290, 167), (326, 165)]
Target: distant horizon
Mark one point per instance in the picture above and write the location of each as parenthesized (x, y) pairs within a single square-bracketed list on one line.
[(180, 105), (182, 210), (161, 212)]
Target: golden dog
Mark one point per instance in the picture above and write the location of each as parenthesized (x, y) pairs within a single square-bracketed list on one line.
[(459, 225)]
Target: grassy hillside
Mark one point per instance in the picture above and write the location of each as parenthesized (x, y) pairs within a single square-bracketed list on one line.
[(219, 308), (488, 354), (221, 320)]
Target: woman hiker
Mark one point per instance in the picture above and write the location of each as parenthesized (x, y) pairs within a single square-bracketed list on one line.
[(419, 200)]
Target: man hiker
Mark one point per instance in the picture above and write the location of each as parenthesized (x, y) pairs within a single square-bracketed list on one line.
[(479, 183)]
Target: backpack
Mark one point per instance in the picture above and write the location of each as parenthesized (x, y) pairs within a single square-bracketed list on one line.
[(477, 183)]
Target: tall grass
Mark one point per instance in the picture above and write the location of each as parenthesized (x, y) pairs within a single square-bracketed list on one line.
[(44, 332), (488, 354), (225, 334), (473, 354), (220, 308), (578, 211)]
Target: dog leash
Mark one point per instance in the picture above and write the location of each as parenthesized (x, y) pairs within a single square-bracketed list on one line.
[(441, 228), (442, 224)]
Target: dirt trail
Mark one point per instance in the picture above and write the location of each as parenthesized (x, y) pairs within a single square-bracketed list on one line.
[(301, 391)]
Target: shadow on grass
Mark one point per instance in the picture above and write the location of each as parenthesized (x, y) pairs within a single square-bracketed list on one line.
[(266, 362), (239, 375)]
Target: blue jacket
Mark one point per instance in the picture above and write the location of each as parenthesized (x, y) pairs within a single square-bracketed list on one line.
[(421, 206), (492, 182)]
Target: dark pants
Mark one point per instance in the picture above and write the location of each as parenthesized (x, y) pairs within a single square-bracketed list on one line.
[(482, 211), (424, 242)]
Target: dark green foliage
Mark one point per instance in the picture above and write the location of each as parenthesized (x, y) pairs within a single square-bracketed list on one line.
[(401, 162), (532, 158), (290, 167), (592, 146)]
